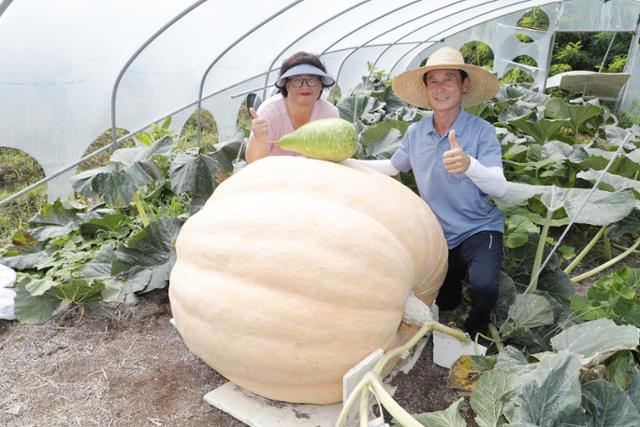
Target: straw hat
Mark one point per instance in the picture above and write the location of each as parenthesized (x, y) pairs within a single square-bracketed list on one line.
[(410, 87)]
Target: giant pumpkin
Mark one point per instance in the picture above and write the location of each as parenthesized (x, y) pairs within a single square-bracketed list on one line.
[(297, 269)]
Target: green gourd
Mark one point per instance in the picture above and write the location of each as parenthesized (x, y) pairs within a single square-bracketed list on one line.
[(330, 139)]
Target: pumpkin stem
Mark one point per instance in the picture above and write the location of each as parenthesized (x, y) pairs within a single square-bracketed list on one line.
[(372, 378)]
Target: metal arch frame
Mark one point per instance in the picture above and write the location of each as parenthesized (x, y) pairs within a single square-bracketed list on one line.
[(114, 93), (246, 92), (100, 150), (367, 23), (133, 57), (270, 67), (227, 49), (4, 5), (431, 37), (470, 19), (388, 31)]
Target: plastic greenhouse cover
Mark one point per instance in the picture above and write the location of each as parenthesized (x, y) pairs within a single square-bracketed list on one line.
[(60, 59)]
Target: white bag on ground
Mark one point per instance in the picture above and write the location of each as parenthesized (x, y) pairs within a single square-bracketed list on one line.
[(7, 296)]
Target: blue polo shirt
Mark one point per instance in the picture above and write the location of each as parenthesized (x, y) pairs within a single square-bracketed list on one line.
[(461, 208)]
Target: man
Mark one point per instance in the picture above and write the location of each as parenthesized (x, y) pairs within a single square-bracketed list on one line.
[(457, 162)]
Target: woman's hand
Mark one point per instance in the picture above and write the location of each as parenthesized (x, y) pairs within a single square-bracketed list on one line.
[(257, 148), (259, 126)]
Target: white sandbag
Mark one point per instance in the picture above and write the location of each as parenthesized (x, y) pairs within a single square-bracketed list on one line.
[(7, 276), (7, 296)]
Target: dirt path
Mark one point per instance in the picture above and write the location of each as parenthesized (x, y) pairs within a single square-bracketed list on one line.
[(134, 370)]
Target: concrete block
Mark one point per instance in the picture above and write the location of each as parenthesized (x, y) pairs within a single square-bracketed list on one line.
[(257, 411)]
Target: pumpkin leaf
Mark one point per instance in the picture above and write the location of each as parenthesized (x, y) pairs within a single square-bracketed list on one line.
[(608, 405), (129, 156), (450, 417), (542, 130), (467, 369), (602, 207), (487, 397), (199, 174), (34, 309), (514, 361), (626, 164), (611, 181), (382, 139), (549, 395), (192, 173), (633, 391), (621, 369), (596, 340), (145, 261), (78, 291), (27, 260), (506, 296), (616, 135), (116, 184), (82, 182), (110, 223), (53, 220), (577, 115), (531, 311), (116, 188), (557, 151), (518, 227), (39, 287), (360, 105), (150, 247)]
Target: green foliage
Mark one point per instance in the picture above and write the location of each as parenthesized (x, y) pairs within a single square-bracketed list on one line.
[(572, 53), (115, 241), (535, 18), (101, 141), (550, 389), (517, 76), (617, 64), (631, 117), (17, 170), (615, 296), (578, 116), (156, 133), (449, 417), (586, 51), (209, 129), (477, 53), (559, 68)]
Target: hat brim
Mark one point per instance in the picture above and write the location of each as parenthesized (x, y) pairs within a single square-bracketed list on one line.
[(409, 86), (303, 69)]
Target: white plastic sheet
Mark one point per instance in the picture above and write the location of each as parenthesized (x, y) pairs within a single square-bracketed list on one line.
[(7, 296)]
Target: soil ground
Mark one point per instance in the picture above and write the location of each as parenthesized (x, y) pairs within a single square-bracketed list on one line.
[(132, 369)]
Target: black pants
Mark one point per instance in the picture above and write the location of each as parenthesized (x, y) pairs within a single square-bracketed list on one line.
[(478, 259)]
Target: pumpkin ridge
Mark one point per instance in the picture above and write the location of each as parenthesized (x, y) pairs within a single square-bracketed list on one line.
[(274, 315)]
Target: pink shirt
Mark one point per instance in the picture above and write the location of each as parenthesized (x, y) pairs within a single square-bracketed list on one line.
[(274, 111)]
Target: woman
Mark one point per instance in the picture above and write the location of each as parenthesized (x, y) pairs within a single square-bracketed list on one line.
[(300, 84)]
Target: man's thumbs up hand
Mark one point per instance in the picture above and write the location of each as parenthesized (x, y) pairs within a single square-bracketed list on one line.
[(259, 126), (455, 160)]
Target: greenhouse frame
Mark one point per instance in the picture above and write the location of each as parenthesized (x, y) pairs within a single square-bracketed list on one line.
[(83, 67)]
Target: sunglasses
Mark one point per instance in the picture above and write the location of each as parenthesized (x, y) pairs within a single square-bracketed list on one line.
[(298, 81)]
